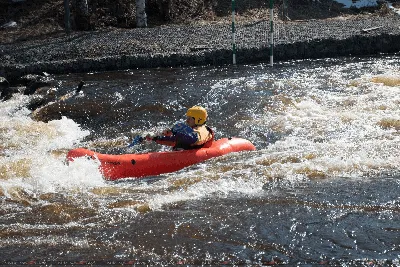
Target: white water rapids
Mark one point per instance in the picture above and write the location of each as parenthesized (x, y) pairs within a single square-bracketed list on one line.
[(311, 121)]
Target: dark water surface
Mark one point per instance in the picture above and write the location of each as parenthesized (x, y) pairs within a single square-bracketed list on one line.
[(323, 186)]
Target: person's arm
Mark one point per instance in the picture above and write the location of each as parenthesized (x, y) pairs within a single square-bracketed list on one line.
[(165, 140), (181, 131)]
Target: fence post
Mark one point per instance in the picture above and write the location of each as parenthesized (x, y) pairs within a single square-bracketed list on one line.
[(67, 17), (271, 44), (284, 12), (233, 33)]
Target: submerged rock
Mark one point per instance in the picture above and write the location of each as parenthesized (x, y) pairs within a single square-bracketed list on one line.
[(42, 97), (5, 89), (51, 108), (33, 82), (44, 102), (4, 83)]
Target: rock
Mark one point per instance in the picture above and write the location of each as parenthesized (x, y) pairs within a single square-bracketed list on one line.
[(6, 93), (42, 97), (39, 101), (3, 83), (9, 92), (29, 78), (33, 86), (34, 81), (49, 107)]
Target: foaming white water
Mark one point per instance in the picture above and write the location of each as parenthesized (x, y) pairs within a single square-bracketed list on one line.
[(334, 120), (207, 180), (336, 126), (33, 153), (340, 120), (81, 174)]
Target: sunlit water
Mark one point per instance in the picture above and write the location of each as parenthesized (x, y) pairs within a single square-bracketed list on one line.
[(322, 187)]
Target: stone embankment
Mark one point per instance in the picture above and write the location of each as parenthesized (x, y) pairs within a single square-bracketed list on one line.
[(173, 46)]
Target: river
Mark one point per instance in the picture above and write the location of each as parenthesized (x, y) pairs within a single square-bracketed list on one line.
[(321, 188)]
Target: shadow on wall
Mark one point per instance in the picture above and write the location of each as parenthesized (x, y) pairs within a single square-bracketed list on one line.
[(357, 3)]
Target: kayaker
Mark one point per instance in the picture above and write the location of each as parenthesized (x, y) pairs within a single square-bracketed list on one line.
[(190, 135)]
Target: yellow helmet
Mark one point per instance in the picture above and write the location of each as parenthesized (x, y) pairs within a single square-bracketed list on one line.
[(198, 113)]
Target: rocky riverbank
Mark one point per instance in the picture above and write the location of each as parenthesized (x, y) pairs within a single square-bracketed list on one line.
[(176, 45)]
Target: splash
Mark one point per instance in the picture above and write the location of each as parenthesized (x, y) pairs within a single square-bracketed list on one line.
[(32, 154)]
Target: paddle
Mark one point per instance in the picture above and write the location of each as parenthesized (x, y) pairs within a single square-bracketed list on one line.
[(137, 140)]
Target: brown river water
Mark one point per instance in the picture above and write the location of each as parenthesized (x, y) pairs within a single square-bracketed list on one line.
[(322, 188)]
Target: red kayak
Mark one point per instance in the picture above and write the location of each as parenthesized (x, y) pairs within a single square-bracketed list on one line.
[(115, 167)]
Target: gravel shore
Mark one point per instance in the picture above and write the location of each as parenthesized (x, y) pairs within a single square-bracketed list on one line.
[(172, 46)]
